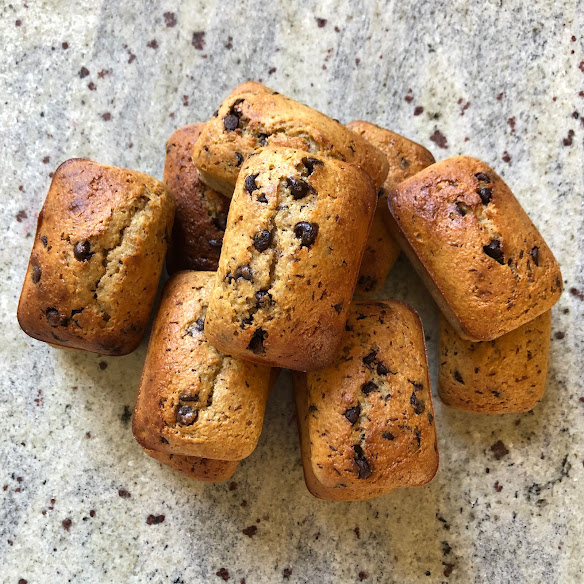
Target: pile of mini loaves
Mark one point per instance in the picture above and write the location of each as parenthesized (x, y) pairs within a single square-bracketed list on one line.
[(275, 215)]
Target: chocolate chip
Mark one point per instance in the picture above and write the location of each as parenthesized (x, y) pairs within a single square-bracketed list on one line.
[(231, 122), (387, 436), (82, 251), (352, 414), (310, 163), (312, 408), (482, 177), (368, 387), (382, 369), (262, 240), (264, 298), (188, 397), (196, 327), (244, 272), (306, 232), (36, 274), (418, 404), (220, 221), (338, 307), (215, 113), (53, 316), (493, 250), (485, 194), (44, 240), (250, 183), (461, 208), (458, 377), (298, 188), (534, 253), (370, 359), (241, 273), (361, 462), (256, 343), (186, 415), (239, 158), (262, 198), (418, 437), (262, 139), (367, 283)]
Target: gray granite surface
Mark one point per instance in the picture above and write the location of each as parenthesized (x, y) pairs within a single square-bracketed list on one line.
[(501, 80)]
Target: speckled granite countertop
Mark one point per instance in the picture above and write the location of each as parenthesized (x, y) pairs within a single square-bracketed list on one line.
[(500, 80)]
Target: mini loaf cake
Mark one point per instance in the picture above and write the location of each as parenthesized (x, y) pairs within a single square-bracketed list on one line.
[(487, 266), (405, 159), (193, 400), (254, 116), (295, 236), (201, 212), (201, 469), (96, 260), (506, 375), (366, 421)]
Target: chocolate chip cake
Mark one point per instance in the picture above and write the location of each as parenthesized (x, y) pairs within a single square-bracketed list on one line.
[(506, 375), (405, 158), (367, 421), (254, 116), (97, 257), (483, 260), (295, 236), (201, 212), (193, 400)]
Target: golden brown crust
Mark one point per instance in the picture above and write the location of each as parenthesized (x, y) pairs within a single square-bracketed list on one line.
[(96, 260), (194, 467), (254, 116), (201, 212), (405, 159), (289, 265), (506, 375), (193, 400), (367, 421), (485, 263)]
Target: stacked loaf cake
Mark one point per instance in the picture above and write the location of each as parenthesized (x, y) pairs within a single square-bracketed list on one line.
[(279, 225)]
